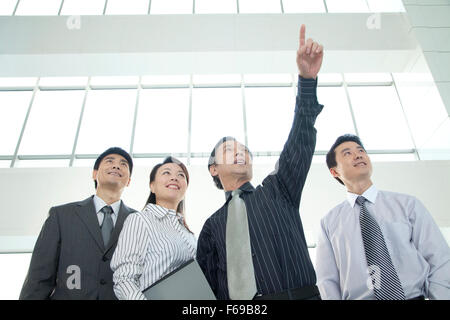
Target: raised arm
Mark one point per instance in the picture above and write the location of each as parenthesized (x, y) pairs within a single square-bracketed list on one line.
[(295, 159)]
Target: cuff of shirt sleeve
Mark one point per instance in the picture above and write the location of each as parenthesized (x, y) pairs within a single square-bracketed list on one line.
[(307, 88)]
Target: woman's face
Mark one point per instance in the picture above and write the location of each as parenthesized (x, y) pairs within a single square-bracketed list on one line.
[(170, 183)]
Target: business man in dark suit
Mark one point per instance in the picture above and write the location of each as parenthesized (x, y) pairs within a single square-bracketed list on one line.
[(254, 247), (71, 258)]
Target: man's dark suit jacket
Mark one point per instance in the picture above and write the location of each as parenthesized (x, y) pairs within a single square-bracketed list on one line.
[(71, 241)]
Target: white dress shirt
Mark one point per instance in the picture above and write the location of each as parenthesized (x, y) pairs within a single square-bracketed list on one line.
[(152, 244), (419, 252), (99, 204)]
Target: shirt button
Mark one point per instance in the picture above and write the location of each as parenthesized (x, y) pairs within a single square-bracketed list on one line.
[(102, 282)]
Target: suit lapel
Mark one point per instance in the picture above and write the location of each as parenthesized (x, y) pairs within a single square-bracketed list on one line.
[(123, 213), (86, 212)]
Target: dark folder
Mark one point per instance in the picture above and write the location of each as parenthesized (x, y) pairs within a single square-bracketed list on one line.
[(185, 283)]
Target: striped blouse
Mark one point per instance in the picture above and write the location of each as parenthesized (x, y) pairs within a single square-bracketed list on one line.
[(152, 244)]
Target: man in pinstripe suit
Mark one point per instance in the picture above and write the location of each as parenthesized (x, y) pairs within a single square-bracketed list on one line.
[(282, 266)]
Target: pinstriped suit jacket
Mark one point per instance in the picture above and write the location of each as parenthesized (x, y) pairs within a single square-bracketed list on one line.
[(280, 254), (71, 237)]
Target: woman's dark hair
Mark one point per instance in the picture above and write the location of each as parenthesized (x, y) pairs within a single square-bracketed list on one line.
[(152, 196), (331, 155)]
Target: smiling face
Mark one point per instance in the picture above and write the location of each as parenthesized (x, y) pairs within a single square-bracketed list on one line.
[(232, 159), (353, 163), (170, 184), (112, 173)]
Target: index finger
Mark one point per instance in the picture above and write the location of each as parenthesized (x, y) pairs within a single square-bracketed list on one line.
[(302, 35)]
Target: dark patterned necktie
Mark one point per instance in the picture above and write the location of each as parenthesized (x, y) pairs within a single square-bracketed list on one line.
[(385, 281), (107, 224)]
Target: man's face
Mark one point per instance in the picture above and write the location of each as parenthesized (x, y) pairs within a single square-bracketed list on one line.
[(113, 172), (232, 159), (353, 163)]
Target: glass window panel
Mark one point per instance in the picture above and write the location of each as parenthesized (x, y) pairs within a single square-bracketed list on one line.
[(17, 82), (283, 78), (13, 270), (417, 90), (158, 80), (7, 7), (215, 6), (107, 121), (215, 113), (347, 6), (85, 162), (319, 159), (438, 146), (52, 123), (38, 8), (299, 6), (127, 7), (83, 7), (149, 162), (5, 163), (270, 112), (368, 78), (270, 160), (259, 6), (51, 163), (379, 118), (126, 81), (389, 157), (63, 82), (216, 79), (201, 161), (13, 107), (335, 119), (386, 5), (162, 122), (327, 79), (171, 7)]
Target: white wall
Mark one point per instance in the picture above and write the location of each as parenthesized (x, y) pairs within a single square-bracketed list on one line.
[(27, 194)]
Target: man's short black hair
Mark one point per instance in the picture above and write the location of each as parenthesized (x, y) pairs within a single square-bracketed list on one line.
[(331, 155), (212, 158), (113, 150)]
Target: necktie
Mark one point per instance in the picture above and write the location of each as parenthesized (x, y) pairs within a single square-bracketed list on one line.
[(107, 224), (385, 282), (240, 272)]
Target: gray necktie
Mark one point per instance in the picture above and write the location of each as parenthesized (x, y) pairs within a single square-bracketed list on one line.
[(240, 271), (107, 224), (385, 282)]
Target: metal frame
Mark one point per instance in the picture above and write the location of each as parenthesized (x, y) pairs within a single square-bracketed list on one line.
[(242, 85), (193, 7)]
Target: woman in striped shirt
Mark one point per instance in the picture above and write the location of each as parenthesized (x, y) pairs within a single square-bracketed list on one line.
[(156, 241)]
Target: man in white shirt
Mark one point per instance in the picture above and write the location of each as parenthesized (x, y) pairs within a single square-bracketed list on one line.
[(377, 244)]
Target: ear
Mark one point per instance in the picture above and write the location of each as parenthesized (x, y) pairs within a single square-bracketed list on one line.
[(213, 170), (129, 180), (94, 174), (334, 173)]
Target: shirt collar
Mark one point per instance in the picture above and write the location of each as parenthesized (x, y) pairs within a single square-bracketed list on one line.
[(99, 203), (160, 212), (370, 194), (246, 187)]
